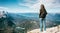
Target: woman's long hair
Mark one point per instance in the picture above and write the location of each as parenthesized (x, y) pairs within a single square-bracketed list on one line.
[(42, 8)]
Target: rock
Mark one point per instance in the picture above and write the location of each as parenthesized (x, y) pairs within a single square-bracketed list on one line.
[(48, 30)]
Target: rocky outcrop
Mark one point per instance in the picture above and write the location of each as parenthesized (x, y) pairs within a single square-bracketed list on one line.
[(49, 30)]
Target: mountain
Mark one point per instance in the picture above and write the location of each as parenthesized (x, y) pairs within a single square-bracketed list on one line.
[(19, 18), (23, 17), (30, 21)]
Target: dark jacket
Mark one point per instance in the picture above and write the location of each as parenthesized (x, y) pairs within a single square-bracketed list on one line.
[(43, 12)]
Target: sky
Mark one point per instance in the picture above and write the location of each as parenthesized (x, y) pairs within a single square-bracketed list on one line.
[(29, 6)]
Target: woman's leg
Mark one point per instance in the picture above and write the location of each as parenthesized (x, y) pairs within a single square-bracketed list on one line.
[(44, 24), (41, 24)]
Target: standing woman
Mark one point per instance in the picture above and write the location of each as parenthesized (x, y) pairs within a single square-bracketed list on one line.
[(42, 17)]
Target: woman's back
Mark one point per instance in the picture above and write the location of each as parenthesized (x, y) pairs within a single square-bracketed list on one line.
[(42, 12)]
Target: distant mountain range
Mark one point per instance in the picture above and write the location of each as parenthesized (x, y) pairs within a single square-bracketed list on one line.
[(19, 18)]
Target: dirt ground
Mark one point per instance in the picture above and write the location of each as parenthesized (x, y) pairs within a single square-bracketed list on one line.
[(48, 30)]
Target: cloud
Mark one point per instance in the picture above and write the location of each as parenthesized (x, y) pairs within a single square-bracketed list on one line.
[(3, 8), (15, 10), (35, 5), (32, 4)]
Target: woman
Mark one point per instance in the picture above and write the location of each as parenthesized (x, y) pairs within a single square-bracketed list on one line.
[(42, 16)]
